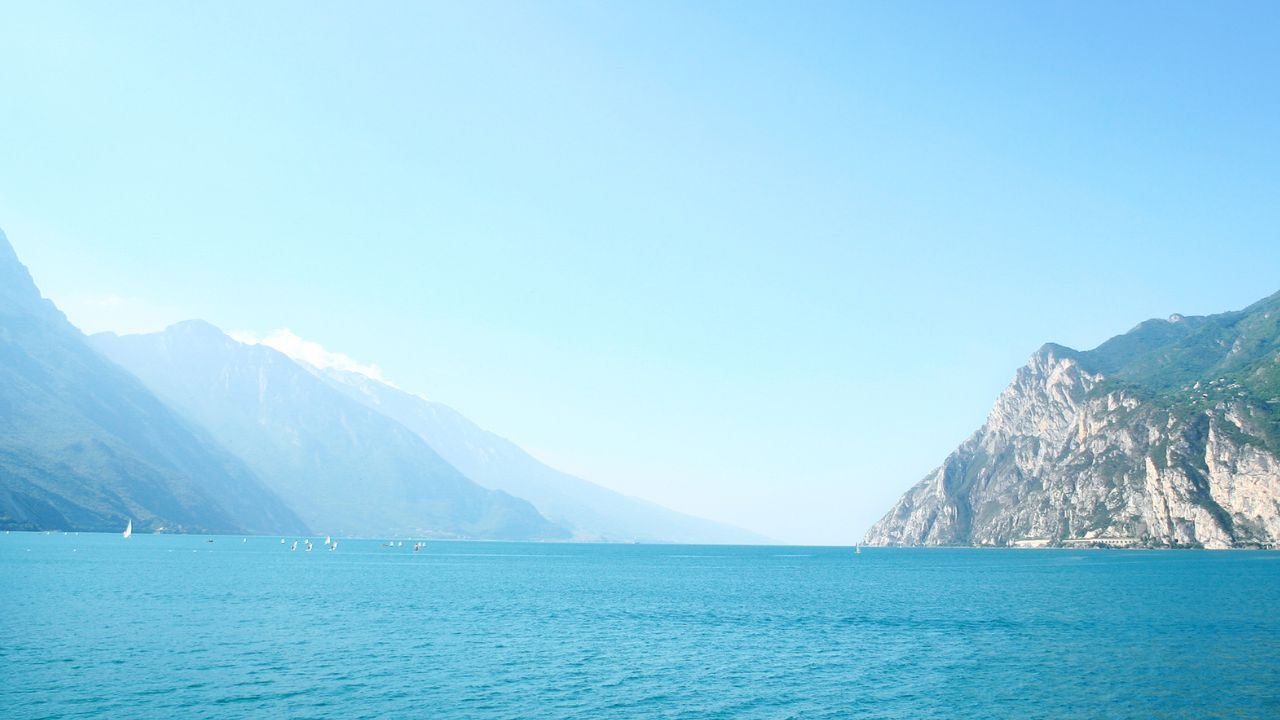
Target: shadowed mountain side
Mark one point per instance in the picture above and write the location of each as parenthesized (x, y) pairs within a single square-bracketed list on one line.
[(85, 446)]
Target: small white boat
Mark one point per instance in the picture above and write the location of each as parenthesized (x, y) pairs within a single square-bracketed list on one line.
[(128, 529), (308, 546), (328, 540), (294, 546), (281, 541), (334, 546), (857, 549)]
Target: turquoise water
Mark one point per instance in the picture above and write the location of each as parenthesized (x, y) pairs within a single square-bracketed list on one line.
[(168, 627)]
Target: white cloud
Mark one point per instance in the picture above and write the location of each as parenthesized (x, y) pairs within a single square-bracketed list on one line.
[(310, 352)]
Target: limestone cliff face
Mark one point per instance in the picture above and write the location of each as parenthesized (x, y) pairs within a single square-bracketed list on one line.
[(1071, 456)]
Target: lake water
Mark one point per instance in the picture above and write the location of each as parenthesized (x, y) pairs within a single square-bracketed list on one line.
[(177, 627)]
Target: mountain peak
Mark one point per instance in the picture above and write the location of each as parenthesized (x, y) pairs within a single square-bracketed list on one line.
[(196, 327), (1051, 351)]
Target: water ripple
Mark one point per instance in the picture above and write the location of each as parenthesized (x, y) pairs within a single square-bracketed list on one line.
[(494, 630)]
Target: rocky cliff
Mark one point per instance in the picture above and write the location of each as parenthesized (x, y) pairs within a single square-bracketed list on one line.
[(1166, 436)]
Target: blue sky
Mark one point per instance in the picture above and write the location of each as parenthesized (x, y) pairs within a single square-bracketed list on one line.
[(763, 262)]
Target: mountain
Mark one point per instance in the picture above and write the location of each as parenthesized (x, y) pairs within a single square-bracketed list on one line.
[(590, 511), (1166, 436), (84, 446), (344, 468)]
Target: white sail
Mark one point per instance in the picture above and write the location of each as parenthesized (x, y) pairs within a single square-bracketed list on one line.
[(128, 529)]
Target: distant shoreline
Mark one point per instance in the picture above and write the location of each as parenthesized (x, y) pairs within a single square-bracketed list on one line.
[(1077, 546)]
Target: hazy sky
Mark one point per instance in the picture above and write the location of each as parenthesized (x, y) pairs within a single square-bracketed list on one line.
[(763, 262)]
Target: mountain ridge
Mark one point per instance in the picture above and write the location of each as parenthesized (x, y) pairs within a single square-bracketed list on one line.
[(593, 512), (84, 446), (344, 468)]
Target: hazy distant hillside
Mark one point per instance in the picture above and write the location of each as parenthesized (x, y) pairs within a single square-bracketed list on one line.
[(591, 511), (1168, 435), (344, 468), (84, 446)]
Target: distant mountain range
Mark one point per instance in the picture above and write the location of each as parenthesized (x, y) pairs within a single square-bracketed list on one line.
[(589, 511), (191, 431), (1166, 436), (344, 468), (85, 446)]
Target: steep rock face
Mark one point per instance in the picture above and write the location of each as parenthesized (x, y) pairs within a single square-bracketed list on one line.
[(1145, 454)]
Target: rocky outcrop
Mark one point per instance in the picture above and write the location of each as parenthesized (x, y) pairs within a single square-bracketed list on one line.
[(1069, 457)]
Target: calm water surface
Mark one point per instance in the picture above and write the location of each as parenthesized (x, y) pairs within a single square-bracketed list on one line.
[(169, 627)]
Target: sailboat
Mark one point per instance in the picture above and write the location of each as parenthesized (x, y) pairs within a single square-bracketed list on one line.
[(857, 549), (328, 540), (128, 529), (334, 546), (294, 546)]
